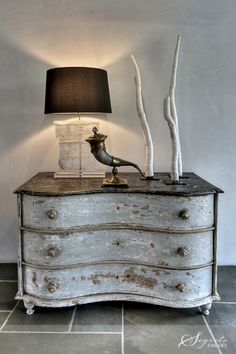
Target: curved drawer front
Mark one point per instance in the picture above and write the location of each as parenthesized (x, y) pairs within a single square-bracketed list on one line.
[(91, 209), (173, 250), (118, 278)]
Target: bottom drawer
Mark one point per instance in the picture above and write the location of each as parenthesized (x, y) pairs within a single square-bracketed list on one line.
[(118, 278)]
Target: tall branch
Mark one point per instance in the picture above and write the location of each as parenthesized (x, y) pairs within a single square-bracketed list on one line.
[(144, 124), (171, 116), (173, 109), (174, 139)]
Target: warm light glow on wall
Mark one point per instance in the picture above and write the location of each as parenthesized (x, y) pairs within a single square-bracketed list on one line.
[(71, 50), (96, 58)]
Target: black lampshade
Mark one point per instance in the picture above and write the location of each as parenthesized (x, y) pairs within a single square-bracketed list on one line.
[(77, 90)]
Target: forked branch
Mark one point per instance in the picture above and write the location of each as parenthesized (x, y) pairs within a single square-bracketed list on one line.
[(171, 116)]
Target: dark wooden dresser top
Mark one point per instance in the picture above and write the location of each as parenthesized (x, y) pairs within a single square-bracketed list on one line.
[(44, 183)]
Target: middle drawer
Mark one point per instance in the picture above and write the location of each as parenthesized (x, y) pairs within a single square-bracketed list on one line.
[(156, 248)]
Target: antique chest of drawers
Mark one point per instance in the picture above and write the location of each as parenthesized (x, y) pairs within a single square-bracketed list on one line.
[(151, 242)]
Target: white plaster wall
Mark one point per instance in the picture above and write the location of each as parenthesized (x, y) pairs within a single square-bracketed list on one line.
[(36, 35)]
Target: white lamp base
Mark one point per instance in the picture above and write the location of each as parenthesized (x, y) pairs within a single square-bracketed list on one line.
[(75, 157)]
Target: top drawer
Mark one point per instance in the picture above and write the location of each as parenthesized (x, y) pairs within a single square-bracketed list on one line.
[(166, 212)]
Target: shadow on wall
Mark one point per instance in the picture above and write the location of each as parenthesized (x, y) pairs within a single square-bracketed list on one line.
[(22, 87), (8, 240), (21, 100)]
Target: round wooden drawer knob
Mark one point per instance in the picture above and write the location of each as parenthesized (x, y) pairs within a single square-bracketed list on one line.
[(180, 287), (53, 286), (52, 214), (183, 251), (184, 214), (52, 251)]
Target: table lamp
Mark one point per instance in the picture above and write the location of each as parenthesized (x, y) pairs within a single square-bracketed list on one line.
[(79, 90)]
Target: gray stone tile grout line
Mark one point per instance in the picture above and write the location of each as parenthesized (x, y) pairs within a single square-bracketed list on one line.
[(212, 335), (225, 302), (59, 332), (53, 332), (72, 319), (7, 281), (5, 322), (122, 330)]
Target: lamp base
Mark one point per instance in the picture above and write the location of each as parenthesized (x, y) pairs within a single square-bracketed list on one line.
[(75, 159), (79, 174)]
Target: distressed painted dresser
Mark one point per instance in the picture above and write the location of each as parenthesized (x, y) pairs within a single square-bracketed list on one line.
[(151, 242)]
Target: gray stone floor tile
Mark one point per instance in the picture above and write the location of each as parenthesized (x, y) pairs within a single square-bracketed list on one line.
[(163, 315), (225, 337), (154, 329), (3, 316), (222, 321), (7, 294), (98, 317), (161, 338), (8, 271), (43, 319), (222, 314), (227, 283), (60, 343)]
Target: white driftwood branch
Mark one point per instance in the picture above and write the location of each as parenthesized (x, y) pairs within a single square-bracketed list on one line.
[(172, 101), (144, 124), (171, 112), (174, 139)]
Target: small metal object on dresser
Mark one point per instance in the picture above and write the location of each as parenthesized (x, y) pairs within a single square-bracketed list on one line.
[(53, 251), (183, 251), (184, 214), (53, 286), (115, 181), (181, 287), (52, 214), (98, 149)]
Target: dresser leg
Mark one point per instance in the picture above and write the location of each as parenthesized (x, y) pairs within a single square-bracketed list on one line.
[(204, 309), (29, 307)]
